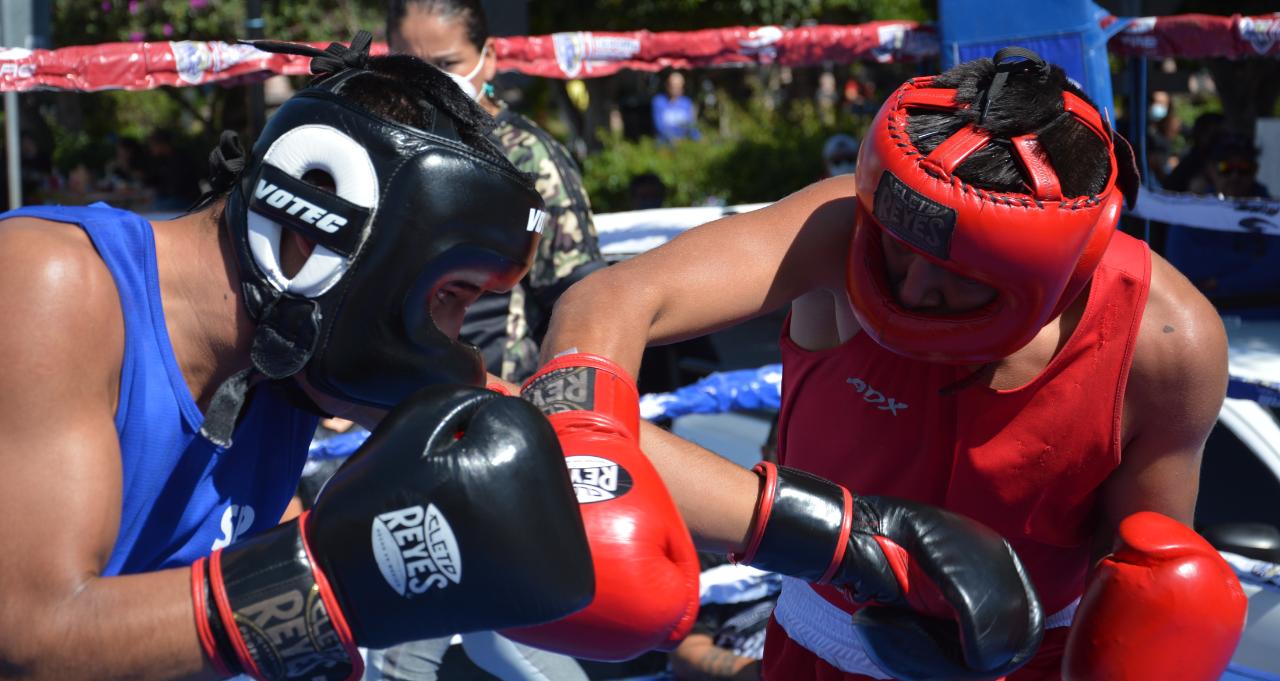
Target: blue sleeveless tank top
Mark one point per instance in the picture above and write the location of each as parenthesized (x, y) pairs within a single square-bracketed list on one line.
[(183, 497)]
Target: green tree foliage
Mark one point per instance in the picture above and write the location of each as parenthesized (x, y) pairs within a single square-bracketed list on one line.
[(87, 22), (766, 155), (194, 115)]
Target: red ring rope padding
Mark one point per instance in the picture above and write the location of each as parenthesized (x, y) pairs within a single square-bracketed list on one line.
[(589, 54)]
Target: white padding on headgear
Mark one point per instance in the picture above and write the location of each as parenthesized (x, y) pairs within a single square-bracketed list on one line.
[(305, 148)]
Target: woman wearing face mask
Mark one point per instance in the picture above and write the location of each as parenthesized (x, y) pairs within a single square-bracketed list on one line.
[(454, 36)]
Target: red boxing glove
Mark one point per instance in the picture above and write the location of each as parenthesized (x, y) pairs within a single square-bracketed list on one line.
[(1164, 605), (645, 564)]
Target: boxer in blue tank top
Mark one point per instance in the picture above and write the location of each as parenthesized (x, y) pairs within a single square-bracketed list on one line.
[(182, 495), (162, 382)]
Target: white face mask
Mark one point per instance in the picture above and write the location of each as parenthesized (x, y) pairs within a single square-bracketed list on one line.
[(464, 82)]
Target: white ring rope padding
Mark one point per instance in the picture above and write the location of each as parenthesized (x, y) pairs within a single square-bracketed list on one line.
[(631, 232), (302, 149)]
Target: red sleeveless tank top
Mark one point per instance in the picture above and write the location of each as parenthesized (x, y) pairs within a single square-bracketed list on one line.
[(1027, 462)]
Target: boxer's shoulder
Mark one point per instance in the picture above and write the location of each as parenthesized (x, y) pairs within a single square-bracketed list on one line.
[(1180, 356), (1180, 330), (34, 246), (58, 292)]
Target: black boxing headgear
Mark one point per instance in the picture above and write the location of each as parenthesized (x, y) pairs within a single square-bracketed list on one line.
[(410, 210)]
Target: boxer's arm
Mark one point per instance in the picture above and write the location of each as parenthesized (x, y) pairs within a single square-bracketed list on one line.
[(1176, 386), (709, 277), (1158, 568), (715, 496), (60, 478), (706, 279)]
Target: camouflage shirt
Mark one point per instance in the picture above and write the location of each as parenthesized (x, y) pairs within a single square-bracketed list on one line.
[(507, 326)]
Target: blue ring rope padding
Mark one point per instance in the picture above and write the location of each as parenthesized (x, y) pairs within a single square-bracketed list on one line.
[(1236, 672), (1266, 394), (338, 446), (740, 390)]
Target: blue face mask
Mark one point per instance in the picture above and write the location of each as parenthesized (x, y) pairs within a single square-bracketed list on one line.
[(1157, 111)]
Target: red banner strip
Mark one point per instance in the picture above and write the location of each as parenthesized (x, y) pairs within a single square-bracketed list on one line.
[(143, 66)]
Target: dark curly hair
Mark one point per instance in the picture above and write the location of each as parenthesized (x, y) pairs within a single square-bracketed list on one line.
[(1029, 101)]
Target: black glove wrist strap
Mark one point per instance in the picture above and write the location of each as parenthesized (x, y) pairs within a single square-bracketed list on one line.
[(802, 524), (272, 608)]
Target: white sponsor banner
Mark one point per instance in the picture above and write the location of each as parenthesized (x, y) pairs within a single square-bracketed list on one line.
[(1209, 212)]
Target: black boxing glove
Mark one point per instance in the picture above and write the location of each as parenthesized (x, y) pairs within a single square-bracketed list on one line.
[(960, 603), (456, 515)]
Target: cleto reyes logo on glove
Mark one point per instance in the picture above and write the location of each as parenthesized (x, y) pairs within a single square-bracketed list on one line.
[(595, 478), (416, 550)]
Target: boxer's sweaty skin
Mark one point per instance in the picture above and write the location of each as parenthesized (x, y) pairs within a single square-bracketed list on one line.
[(60, 460), (749, 264), (60, 475)]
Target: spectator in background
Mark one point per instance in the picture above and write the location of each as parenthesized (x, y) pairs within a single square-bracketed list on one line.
[(859, 95), (79, 182), (176, 180), (126, 170), (839, 155), (1164, 134), (454, 36), (673, 114), (727, 642), (827, 97), (1239, 272), (1232, 170), (1203, 133), (646, 191), (37, 173)]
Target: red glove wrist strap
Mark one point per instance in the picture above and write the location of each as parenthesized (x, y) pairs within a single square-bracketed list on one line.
[(264, 585), (769, 482), (204, 628), (768, 473), (583, 382)]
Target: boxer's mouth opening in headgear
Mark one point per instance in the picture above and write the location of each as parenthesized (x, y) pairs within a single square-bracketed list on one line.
[(1033, 236), (406, 209)]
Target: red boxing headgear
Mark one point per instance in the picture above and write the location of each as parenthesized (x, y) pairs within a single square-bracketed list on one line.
[(1037, 250)]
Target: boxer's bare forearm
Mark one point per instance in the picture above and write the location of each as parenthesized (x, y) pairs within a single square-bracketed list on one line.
[(716, 496), (138, 627), (708, 278)]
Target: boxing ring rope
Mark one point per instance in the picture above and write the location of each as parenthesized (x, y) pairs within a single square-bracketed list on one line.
[(586, 54), (591, 54), (757, 389)]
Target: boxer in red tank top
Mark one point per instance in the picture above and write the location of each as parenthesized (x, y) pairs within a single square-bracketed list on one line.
[(967, 332)]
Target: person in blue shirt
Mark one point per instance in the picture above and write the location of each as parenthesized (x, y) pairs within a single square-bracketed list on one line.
[(162, 382), (673, 114)]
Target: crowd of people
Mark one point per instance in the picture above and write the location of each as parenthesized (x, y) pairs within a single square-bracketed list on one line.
[(941, 494), (151, 175), (1239, 272)]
